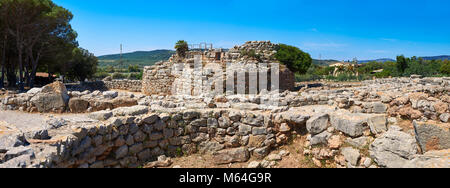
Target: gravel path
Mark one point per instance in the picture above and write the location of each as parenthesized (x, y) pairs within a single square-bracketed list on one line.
[(27, 121)]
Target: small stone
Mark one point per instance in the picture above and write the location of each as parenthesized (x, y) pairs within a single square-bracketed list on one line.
[(254, 164), (334, 142), (121, 152), (284, 128), (317, 162), (274, 157), (101, 115), (367, 162), (284, 153), (444, 117), (351, 155)]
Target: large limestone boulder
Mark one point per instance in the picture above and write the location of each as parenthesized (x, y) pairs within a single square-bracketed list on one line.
[(231, 155), (99, 105), (123, 102), (353, 125), (52, 97), (432, 159), (130, 111), (432, 135), (317, 124), (394, 149)]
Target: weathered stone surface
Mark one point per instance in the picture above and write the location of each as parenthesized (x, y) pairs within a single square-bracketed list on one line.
[(321, 138), (244, 129), (9, 141), (101, 115), (123, 102), (18, 151), (22, 161), (393, 149), (121, 152), (34, 91), (379, 108), (445, 117), (440, 107), (351, 155), (110, 94), (353, 125), (335, 142), (259, 131), (274, 157), (432, 136), (260, 153), (317, 124), (360, 142), (431, 159), (52, 97), (254, 164), (209, 147), (231, 155), (130, 111), (98, 105), (409, 112), (78, 105), (47, 102), (377, 124)]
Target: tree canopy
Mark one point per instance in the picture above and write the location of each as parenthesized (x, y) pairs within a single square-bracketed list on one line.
[(35, 35), (182, 47), (295, 59), (402, 63)]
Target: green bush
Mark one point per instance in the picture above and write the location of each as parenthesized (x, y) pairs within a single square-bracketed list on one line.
[(133, 68), (307, 77), (445, 68), (182, 47), (135, 76), (295, 59)]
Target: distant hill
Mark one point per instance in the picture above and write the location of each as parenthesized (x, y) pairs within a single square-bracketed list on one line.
[(429, 58), (377, 60), (146, 58), (442, 57), (140, 58)]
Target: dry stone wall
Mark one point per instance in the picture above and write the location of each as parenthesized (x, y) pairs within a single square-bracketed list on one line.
[(108, 84), (126, 85), (130, 137)]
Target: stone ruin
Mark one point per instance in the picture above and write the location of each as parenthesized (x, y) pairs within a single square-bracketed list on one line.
[(360, 125), (164, 78)]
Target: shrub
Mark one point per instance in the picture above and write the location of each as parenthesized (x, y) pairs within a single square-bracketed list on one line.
[(135, 76), (445, 68), (182, 47)]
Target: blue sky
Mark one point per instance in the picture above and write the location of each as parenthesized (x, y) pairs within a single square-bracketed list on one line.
[(330, 29)]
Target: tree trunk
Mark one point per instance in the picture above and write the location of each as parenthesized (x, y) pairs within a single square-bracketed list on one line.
[(21, 86), (2, 79), (34, 65)]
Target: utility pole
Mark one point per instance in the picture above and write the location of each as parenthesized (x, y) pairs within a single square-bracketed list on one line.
[(120, 61)]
